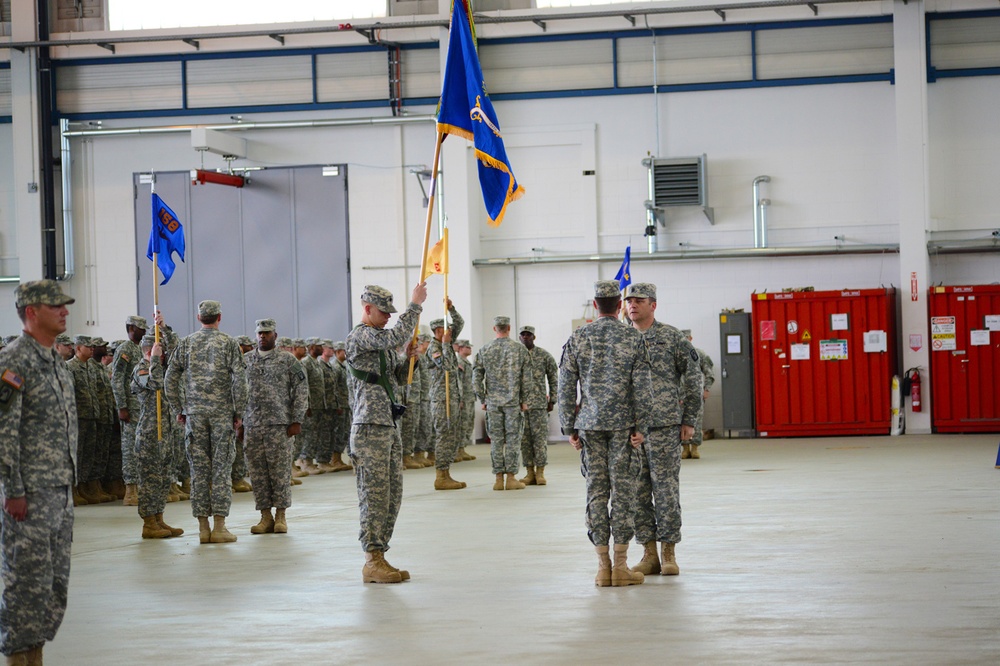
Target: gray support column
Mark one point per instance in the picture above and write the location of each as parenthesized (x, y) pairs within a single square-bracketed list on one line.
[(27, 161), (914, 210)]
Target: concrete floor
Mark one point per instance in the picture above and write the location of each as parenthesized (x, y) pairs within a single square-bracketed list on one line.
[(836, 550)]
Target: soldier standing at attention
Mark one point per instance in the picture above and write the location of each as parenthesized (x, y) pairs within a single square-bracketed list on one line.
[(609, 363), (206, 385), (336, 399), (424, 434), (467, 411), (708, 372), (126, 357), (152, 442), (277, 398), (87, 476), (443, 365), (500, 377), (37, 474), (674, 410), (541, 400), (108, 458), (374, 376), (64, 346)]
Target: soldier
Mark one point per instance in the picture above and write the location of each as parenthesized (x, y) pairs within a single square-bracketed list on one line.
[(423, 440), (88, 490), (445, 398), (108, 456), (278, 395), (410, 425), (374, 374), (239, 471), (708, 372), (38, 439), (245, 342), (206, 385), (467, 411), (338, 422), (126, 357), (541, 400), (152, 442), (64, 346), (500, 375), (672, 413), (305, 442), (610, 364)]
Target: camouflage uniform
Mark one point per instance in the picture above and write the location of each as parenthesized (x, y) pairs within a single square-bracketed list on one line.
[(278, 395), (500, 376), (38, 439), (676, 401), (127, 356), (152, 452), (86, 414), (535, 441), (376, 448), (708, 372), (423, 435), (205, 382), (108, 456), (312, 427), (610, 363), (409, 427), (324, 452), (445, 398), (467, 412), (342, 414)]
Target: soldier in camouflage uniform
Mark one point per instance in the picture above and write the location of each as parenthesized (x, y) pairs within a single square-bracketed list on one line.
[(108, 456), (423, 440), (338, 428), (410, 424), (708, 373), (239, 471), (500, 376), (38, 439), (675, 408), (126, 357), (206, 385), (88, 479), (610, 363), (278, 396), (152, 442), (467, 412), (374, 374), (342, 419), (541, 400), (64, 346), (445, 398)]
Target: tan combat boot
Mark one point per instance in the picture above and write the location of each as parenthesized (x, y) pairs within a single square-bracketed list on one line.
[(410, 463), (204, 531), (376, 569), (498, 485), (78, 499), (603, 578), (174, 531), (219, 532), (668, 563), (621, 575), (117, 488), (339, 465), (35, 655), (443, 481), (685, 451), (300, 468), (296, 482), (694, 451), (431, 457), (177, 490), (465, 455), (98, 490), (649, 565), (186, 487), (403, 573), (513, 483), (540, 476), (131, 495), (280, 526), (266, 524), (152, 530), (172, 496), (86, 492), (241, 486), (529, 478)]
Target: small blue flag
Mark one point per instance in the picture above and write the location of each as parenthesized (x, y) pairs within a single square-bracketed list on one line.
[(466, 110), (165, 238), (624, 276)]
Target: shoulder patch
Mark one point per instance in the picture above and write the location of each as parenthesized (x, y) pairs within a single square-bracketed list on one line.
[(694, 355), (12, 378), (143, 372), (125, 356), (6, 393), (436, 355)]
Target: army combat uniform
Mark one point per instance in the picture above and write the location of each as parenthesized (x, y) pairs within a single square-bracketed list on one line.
[(444, 391), (542, 368), (152, 451), (708, 372), (127, 356)]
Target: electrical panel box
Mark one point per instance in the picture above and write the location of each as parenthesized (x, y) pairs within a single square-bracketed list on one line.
[(823, 362), (735, 335), (965, 358)]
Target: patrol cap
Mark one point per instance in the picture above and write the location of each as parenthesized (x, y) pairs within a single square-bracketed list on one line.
[(464, 343), (137, 321), (209, 308), (64, 339), (266, 326), (41, 292), (606, 289), (378, 296), (83, 340), (527, 329), (244, 341), (501, 320), (423, 337), (328, 343), (338, 346), (641, 290), (97, 342), (686, 332), (436, 323), (284, 341), (115, 344), (298, 342), (313, 342), (148, 340)]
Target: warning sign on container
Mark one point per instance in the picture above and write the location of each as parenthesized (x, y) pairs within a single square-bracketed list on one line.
[(833, 350), (943, 334)]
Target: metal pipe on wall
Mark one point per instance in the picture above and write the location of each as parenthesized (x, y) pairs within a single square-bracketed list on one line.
[(759, 219), (261, 125), (66, 159)]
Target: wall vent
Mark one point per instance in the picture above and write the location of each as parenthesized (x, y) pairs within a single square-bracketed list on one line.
[(678, 181)]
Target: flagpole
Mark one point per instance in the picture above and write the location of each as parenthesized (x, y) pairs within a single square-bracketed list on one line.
[(156, 329), (427, 240), (447, 383)]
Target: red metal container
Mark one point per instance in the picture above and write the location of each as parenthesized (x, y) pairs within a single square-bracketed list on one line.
[(823, 362), (965, 358)]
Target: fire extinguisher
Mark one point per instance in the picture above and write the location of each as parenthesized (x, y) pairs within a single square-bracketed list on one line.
[(915, 390)]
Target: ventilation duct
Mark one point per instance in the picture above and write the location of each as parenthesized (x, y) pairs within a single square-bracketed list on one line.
[(678, 182)]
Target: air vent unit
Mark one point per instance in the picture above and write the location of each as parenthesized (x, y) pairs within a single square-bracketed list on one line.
[(679, 181)]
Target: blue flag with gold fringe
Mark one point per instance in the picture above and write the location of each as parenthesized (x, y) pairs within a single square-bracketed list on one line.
[(165, 238), (466, 110)]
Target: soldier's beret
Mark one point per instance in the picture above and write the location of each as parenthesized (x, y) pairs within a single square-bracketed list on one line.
[(501, 320), (378, 296), (41, 292), (209, 308), (527, 329), (606, 289), (137, 321), (641, 290), (436, 323)]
